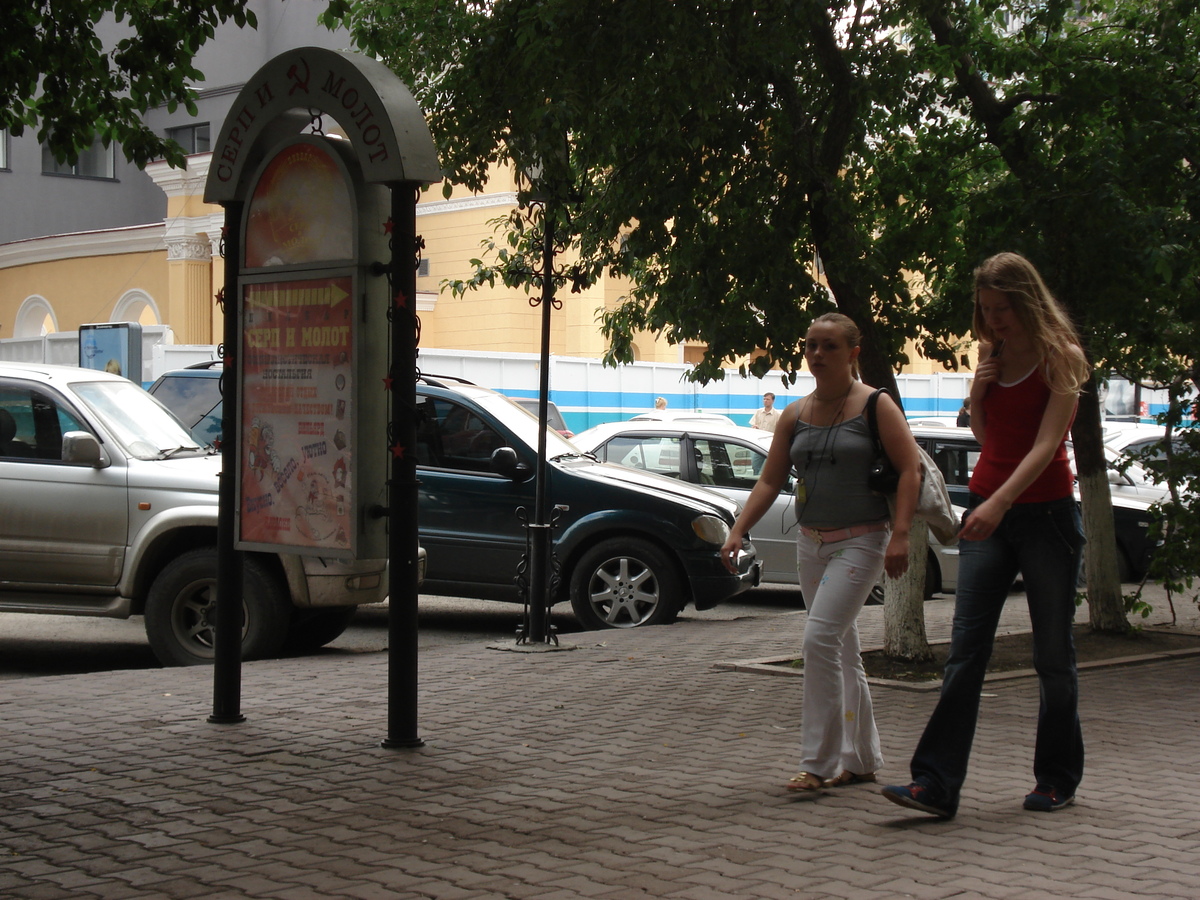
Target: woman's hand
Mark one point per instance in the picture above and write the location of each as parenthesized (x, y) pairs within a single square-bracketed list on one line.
[(986, 371), (730, 549), (895, 558), (983, 520)]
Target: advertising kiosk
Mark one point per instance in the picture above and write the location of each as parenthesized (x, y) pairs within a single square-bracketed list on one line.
[(318, 167)]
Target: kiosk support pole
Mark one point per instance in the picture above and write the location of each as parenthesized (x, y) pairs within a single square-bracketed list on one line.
[(227, 640), (402, 493)]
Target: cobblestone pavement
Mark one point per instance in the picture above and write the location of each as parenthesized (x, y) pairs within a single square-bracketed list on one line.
[(628, 767)]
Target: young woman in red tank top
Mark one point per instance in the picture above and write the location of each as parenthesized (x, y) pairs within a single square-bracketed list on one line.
[(1022, 519)]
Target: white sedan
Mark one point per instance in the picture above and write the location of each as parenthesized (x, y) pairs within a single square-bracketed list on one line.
[(727, 459)]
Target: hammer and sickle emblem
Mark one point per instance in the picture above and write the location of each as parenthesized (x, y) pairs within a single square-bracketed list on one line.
[(299, 80)]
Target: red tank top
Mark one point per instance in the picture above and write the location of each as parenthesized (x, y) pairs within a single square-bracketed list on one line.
[(1013, 413)]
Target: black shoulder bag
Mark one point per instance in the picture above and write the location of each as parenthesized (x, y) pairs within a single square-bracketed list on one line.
[(883, 478)]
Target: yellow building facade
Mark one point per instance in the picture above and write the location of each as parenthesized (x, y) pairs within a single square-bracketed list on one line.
[(169, 274)]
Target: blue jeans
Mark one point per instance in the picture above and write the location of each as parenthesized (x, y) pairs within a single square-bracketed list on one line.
[(1044, 542)]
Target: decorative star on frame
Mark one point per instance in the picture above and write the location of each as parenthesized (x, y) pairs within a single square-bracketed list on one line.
[(387, 383), (388, 226), (398, 451), (400, 300)]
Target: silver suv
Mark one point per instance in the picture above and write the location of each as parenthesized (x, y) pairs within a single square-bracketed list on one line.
[(109, 508)]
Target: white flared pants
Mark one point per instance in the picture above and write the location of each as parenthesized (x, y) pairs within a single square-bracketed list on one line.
[(837, 729)]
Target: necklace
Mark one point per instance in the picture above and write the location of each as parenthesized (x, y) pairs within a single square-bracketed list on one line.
[(836, 416), (831, 431), (806, 484), (841, 397)]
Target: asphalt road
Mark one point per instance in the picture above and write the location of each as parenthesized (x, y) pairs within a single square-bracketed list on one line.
[(34, 645)]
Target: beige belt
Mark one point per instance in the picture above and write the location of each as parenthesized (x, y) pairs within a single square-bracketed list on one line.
[(833, 535)]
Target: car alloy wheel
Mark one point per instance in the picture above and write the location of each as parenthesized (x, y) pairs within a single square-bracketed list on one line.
[(625, 583)]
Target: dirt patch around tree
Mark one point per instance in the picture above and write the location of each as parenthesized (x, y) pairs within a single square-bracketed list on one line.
[(1013, 654)]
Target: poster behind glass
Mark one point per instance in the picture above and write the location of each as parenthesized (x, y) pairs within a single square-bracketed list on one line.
[(296, 462)]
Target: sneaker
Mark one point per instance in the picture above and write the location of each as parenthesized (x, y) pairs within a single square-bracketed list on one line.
[(1046, 798), (915, 796)]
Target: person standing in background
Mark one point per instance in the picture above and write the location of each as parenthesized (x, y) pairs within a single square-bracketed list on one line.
[(767, 417)]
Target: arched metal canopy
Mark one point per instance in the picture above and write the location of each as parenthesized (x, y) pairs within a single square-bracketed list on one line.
[(371, 104)]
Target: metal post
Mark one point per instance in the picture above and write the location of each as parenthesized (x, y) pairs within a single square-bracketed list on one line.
[(402, 487), (227, 638), (538, 630)]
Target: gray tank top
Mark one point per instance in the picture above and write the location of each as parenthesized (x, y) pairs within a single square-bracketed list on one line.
[(833, 463)]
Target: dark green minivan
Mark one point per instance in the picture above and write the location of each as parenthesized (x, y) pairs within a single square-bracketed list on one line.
[(633, 548)]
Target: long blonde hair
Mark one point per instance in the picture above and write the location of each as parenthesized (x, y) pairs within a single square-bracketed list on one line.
[(1053, 336)]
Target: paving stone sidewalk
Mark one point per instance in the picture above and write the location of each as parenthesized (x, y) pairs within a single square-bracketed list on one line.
[(630, 767)]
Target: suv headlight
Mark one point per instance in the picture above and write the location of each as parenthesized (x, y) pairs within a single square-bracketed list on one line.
[(712, 529)]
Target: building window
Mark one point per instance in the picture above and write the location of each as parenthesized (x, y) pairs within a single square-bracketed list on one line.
[(192, 138), (3, 148), (94, 162)]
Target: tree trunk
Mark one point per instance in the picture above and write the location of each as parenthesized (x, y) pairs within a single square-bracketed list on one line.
[(1104, 589), (1106, 606), (904, 602)]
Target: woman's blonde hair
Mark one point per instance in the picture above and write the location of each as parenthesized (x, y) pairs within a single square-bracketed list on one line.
[(849, 330), (1043, 318)]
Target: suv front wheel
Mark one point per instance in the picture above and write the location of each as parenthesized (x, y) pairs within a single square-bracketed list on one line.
[(624, 583), (181, 610)]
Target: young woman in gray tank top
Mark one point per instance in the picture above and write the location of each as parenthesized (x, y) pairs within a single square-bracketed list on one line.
[(845, 542)]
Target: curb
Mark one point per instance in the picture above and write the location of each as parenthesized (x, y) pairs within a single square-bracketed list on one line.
[(773, 665)]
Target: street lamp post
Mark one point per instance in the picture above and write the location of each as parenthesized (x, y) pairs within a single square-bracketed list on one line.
[(536, 628)]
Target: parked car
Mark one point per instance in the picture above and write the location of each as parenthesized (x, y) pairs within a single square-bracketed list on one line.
[(632, 548), (110, 509), (934, 421), (727, 459), (1125, 478), (553, 417), (194, 395), (956, 451), (1129, 439), (681, 415)]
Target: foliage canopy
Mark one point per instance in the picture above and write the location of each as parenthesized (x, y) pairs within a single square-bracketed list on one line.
[(748, 166), (57, 76)]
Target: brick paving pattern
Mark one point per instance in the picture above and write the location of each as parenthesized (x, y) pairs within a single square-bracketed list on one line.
[(627, 768)]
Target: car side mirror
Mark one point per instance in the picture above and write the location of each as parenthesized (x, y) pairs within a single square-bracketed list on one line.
[(507, 463), (82, 448)]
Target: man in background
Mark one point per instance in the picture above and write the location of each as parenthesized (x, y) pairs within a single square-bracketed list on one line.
[(767, 417)]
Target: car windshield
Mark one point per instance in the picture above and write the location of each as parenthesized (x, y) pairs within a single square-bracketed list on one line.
[(191, 398), (139, 422), (525, 424)]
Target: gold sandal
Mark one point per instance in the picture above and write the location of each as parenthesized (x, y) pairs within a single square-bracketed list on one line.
[(848, 777), (804, 781)]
